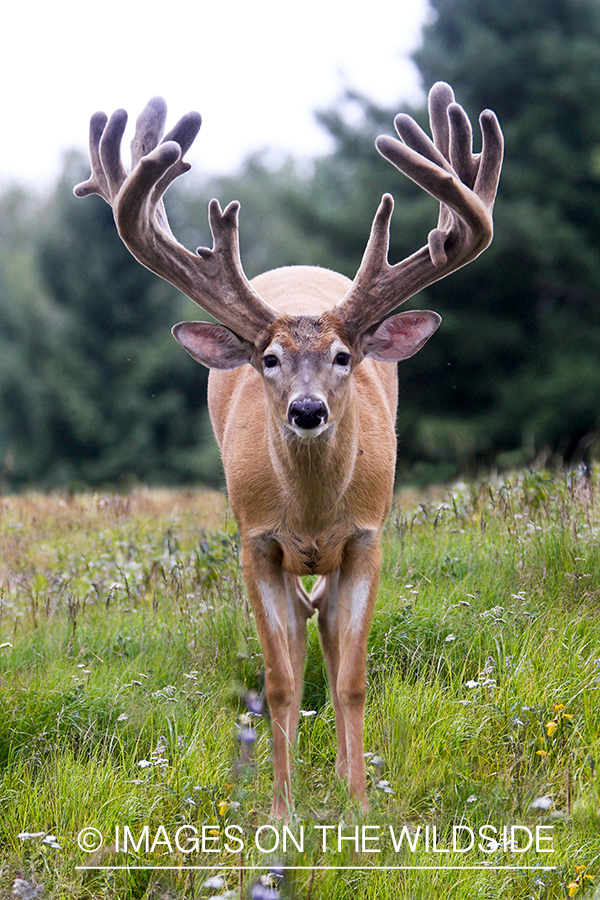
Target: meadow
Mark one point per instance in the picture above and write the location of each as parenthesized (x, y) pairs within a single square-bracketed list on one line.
[(135, 752)]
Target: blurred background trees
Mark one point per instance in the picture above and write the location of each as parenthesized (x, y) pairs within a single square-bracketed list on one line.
[(94, 391)]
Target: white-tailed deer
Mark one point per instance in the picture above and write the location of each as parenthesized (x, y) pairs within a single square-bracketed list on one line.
[(303, 389)]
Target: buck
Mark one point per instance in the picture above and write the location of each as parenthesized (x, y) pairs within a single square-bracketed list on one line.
[(302, 391)]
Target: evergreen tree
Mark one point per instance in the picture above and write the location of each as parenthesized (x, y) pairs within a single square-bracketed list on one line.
[(93, 388), (533, 302), (511, 374)]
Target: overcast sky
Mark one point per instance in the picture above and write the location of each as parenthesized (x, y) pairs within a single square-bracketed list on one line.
[(255, 69)]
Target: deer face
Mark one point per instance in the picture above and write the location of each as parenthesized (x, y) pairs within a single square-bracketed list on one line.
[(306, 362), (306, 368)]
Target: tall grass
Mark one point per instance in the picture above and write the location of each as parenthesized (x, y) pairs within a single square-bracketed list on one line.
[(129, 677)]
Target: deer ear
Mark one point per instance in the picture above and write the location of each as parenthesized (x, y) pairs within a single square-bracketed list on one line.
[(213, 345), (400, 336)]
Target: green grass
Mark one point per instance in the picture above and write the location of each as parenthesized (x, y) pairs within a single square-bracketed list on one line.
[(128, 647)]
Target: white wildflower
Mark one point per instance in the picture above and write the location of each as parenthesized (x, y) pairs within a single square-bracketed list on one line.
[(215, 881), (541, 803)]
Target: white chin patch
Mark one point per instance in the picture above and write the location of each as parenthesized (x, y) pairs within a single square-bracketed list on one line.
[(308, 434)]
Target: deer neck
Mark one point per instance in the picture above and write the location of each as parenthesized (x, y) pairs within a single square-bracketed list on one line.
[(315, 473)]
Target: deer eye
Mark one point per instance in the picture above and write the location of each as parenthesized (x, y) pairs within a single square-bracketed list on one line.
[(342, 359), (270, 361)]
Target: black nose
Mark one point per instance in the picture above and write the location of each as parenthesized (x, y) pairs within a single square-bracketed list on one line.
[(307, 413)]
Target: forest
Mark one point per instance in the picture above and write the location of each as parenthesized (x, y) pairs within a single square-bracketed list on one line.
[(95, 393)]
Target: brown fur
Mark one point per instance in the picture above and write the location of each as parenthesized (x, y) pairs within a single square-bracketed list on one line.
[(309, 507)]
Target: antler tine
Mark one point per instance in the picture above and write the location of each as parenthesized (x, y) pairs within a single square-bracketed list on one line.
[(441, 96), (149, 129), (110, 152), (463, 182), (462, 159), (214, 278), (96, 183), (491, 155)]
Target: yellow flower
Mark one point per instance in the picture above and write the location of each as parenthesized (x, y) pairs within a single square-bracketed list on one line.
[(223, 806), (551, 727), (542, 752), (567, 716), (572, 888), (558, 707), (579, 869)]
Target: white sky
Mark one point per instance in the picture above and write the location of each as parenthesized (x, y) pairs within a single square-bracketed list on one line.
[(255, 69)]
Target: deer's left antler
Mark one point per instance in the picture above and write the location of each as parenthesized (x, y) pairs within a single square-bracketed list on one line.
[(465, 184)]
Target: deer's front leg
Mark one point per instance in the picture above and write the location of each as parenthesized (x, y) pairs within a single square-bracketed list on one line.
[(281, 609), (346, 601)]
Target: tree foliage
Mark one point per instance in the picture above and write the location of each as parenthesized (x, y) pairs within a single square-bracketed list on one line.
[(98, 392)]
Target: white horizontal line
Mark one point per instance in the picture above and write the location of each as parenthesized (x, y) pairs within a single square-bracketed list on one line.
[(219, 868)]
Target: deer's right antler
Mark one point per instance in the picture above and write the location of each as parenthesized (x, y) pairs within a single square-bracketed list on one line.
[(463, 182), (214, 278)]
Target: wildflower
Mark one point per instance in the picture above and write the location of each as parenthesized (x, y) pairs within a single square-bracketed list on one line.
[(541, 803), (450, 637), (551, 727), (254, 703), (384, 786), (26, 890), (472, 799), (260, 892), (247, 735), (572, 888), (472, 684), (214, 882), (50, 839), (223, 806)]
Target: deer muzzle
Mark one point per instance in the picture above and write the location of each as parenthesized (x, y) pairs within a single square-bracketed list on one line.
[(307, 413)]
